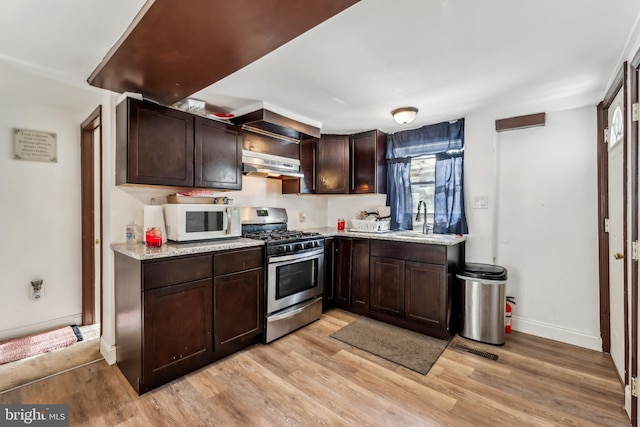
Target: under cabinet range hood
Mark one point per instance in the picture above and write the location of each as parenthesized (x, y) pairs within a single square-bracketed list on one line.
[(268, 123), (270, 166)]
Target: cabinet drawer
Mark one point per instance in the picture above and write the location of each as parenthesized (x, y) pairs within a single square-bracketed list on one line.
[(432, 254), (232, 262), (157, 274)]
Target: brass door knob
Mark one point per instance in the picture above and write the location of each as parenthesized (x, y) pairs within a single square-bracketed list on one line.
[(618, 255)]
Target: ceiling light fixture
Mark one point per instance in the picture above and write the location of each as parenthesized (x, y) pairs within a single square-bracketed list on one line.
[(404, 115)]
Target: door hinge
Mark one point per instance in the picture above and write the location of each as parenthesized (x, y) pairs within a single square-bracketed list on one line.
[(634, 386), (634, 112), (606, 135), (606, 225), (634, 250)]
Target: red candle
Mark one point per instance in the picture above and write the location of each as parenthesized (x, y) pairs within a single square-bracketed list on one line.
[(153, 237)]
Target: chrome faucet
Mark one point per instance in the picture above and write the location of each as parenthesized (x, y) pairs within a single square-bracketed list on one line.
[(424, 222)]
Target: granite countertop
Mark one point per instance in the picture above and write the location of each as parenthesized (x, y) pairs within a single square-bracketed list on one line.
[(398, 236), (141, 251)]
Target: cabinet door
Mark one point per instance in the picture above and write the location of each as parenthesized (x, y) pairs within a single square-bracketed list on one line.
[(306, 185), (333, 164), (367, 163), (342, 286), (156, 146), (360, 274), (329, 272), (387, 285), (426, 294), (217, 155), (239, 307), (177, 330)]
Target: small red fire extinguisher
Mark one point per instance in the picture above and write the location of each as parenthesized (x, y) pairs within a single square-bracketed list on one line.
[(507, 317)]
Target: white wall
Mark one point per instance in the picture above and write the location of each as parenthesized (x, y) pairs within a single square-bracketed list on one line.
[(547, 226), (40, 203)]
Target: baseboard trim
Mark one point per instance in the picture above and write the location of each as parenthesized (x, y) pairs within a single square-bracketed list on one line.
[(21, 331), (108, 351), (557, 333)]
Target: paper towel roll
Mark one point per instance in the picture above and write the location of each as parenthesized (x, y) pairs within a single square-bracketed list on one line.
[(154, 217)]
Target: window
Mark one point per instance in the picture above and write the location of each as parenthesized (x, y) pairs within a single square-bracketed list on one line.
[(617, 127), (423, 187)]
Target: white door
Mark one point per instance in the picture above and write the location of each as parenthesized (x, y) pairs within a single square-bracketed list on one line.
[(615, 133)]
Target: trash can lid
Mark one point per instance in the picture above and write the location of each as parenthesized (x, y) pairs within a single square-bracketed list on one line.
[(483, 271)]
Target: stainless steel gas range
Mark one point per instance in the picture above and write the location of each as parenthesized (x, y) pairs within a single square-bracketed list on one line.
[(295, 270)]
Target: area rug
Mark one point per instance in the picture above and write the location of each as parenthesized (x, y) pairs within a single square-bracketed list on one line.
[(31, 345), (410, 349), (35, 368)]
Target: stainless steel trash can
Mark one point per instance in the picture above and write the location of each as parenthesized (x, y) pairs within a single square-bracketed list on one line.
[(482, 305)]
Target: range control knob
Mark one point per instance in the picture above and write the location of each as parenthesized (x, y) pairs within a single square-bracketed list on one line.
[(281, 249), (298, 246), (310, 245)]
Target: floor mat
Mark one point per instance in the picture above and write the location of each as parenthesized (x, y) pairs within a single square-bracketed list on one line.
[(410, 349), (31, 345)]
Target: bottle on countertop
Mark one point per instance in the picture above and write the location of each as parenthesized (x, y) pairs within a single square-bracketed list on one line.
[(132, 237)]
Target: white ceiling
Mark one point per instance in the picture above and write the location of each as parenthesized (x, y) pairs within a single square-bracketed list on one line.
[(448, 58)]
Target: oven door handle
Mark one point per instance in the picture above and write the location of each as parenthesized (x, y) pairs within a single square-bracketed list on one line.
[(293, 312), (296, 257)]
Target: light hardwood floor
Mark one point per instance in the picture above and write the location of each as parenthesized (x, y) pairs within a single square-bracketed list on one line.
[(308, 378)]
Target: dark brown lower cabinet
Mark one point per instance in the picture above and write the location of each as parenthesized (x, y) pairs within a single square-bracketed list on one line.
[(177, 330), (177, 314), (360, 274), (239, 312), (410, 285), (387, 286), (328, 297), (352, 273), (342, 283), (426, 299)]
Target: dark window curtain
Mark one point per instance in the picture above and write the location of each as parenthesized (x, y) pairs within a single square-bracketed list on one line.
[(449, 202), (449, 196), (398, 179)]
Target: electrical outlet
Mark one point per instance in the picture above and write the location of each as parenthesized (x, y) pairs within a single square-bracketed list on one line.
[(37, 290), (302, 217)]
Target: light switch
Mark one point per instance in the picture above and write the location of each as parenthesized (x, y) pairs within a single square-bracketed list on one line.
[(481, 202)]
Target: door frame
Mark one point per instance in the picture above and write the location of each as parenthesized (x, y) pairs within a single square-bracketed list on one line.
[(635, 87), (87, 177), (620, 83)]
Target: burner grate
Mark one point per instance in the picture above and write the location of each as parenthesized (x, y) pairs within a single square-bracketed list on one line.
[(282, 235)]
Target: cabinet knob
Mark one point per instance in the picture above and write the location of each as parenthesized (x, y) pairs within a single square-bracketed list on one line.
[(618, 255)]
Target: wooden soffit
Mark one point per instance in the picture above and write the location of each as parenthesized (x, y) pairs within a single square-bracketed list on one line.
[(521, 122), (176, 48)]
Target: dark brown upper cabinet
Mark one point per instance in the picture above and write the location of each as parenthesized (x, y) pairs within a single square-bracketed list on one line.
[(308, 155), (157, 145), (342, 164), (367, 163), (154, 145), (218, 155), (333, 165)]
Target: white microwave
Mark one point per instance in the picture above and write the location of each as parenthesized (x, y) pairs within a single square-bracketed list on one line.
[(189, 222)]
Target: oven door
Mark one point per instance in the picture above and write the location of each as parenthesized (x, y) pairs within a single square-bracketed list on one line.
[(294, 278)]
